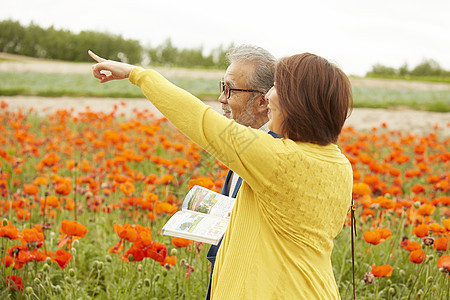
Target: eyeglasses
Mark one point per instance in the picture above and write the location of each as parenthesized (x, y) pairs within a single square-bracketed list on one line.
[(225, 88)]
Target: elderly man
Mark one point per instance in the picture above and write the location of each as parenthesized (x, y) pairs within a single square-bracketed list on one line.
[(248, 77)]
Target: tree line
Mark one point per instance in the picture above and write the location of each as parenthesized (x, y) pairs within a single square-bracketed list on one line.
[(427, 68), (50, 43)]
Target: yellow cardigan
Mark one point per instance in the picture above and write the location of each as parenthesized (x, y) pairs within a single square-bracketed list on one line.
[(292, 203)]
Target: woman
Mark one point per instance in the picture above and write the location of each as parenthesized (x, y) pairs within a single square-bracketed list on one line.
[(296, 191)]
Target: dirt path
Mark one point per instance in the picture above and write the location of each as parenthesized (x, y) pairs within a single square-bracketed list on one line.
[(419, 122)]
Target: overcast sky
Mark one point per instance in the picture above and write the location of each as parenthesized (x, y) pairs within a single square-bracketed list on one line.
[(355, 34)]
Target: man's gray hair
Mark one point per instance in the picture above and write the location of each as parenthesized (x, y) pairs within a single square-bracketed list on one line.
[(264, 62)]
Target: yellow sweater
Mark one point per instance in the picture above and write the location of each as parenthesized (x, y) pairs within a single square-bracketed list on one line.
[(292, 203)]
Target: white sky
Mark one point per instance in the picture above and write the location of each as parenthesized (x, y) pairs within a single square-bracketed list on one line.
[(355, 34)]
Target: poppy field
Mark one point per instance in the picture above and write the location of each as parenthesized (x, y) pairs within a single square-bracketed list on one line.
[(84, 196)]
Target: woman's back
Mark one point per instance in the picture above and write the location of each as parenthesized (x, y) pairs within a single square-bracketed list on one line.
[(280, 237)]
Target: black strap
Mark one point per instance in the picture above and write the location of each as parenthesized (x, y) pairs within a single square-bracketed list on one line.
[(353, 224)]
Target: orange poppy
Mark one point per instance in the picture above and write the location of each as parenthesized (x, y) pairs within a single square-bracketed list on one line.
[(10, 232), (62, 258), (32, 237), (126, 232), (73, 228), (180, 242), (372, 237), (361, 189), (421, 230), (166, 179), (441, 243), (381, 271), (170, 260), (417, 256), (201, 181), (426, 209), (411, 245), (444, 262), (30, 189), (117, 248)]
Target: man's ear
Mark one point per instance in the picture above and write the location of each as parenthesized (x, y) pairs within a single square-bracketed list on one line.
[(261, 103)]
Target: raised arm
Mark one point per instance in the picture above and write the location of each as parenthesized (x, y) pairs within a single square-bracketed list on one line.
[(240, 148)]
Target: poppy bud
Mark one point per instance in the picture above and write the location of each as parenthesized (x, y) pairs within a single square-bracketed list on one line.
[(48, 261), (37, 281), (173, 252), (45, 268), (430, 279), (402, 273), (139, 267), (428, 241), (391, 291), (108, 258), (71, 273), (100, 265), (434, 288), (419, 294), (164, 272), (94, 264), (368, 277), (388, 282), (29, 290), (183, 262), (417, 204), (5, 222), (147, 282), (130, 257), (69, 280), (58, 289), (156, 277)]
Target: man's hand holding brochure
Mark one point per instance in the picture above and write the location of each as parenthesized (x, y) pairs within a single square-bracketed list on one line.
[(204, 216)]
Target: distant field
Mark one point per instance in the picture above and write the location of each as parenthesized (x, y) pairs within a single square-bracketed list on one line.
[(77, 85), (38, 77)]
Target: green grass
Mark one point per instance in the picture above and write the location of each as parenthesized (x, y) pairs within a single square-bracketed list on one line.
[(76, 85), (389, 98), (441, 79)]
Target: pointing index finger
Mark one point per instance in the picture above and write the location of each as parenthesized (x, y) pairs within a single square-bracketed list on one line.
[(95, 56)]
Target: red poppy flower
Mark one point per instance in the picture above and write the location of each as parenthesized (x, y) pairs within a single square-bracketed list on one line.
[(157, 251), (62, 258), (137, 254), (15, 282)]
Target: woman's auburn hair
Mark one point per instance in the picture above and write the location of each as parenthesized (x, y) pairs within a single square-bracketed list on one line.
[(315, 98)]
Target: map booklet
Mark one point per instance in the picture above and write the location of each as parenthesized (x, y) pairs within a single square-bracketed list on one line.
[(203, 217)]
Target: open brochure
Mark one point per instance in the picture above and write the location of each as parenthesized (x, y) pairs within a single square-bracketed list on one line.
[(204, 216)]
